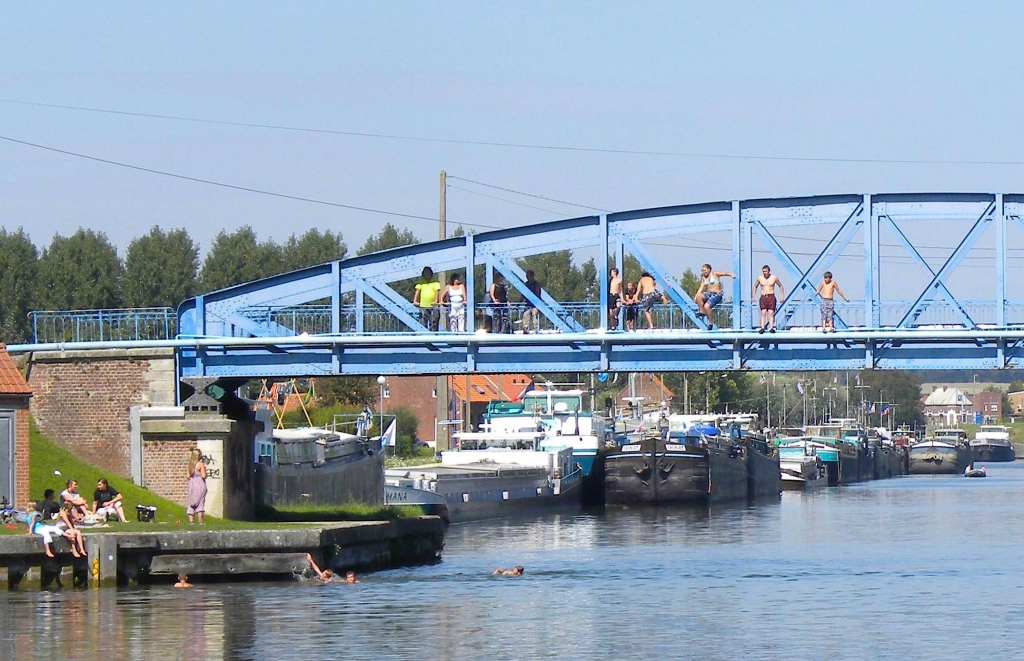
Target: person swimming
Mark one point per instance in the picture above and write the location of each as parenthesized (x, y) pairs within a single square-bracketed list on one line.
[(515, 571)]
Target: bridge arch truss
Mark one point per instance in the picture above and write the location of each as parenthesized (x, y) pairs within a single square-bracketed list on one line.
[(910, 307)]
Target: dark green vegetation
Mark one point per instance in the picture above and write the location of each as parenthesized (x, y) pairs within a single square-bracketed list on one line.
[(84, 271)]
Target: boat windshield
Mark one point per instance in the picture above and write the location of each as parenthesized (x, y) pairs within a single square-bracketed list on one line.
[(560, 402)]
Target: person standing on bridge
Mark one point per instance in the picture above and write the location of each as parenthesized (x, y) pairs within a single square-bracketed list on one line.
[(709, 294), (531, 317), (614, 298), (454, 295), (647, 295), (426, 297), (498, 294), (827, 290), (768, 303)]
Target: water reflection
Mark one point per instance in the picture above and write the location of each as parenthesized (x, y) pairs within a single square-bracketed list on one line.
[(899, 568)]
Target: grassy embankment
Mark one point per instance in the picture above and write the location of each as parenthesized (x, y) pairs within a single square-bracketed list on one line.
[(46, 457)]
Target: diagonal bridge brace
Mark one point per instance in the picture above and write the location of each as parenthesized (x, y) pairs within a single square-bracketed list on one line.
[(547, 306), (829, 254), (393, 302), (937, 283), (672, 288)]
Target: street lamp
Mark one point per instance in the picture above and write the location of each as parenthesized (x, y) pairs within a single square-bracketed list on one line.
[(381, 381)]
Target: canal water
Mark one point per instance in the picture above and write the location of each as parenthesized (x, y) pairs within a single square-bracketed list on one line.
[(908, 568)]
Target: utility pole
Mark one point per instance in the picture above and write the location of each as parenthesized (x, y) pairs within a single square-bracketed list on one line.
[(442, 410)]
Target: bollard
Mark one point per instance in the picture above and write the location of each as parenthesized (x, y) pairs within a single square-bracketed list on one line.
[(102, 551)]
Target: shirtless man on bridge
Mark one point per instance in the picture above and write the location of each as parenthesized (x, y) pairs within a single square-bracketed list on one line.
[(768, 303)]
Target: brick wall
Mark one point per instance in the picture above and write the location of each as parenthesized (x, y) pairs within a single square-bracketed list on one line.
[(21, 468), (82, 399), (415, 392), (164, 465)]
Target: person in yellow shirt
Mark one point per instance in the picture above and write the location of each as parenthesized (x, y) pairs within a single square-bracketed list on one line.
[(425, 298)]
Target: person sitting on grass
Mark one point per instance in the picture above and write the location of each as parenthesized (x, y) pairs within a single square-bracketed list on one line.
[(79, 508), (36, 527), (106, 501), (48, 506)]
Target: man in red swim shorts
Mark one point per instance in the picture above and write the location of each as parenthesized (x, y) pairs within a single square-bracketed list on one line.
[(768, 303)]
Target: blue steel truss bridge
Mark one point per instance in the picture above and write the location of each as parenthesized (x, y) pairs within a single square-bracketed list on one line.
[(930, 278)]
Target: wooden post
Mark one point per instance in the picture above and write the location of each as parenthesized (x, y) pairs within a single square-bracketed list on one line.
[(442, 432)]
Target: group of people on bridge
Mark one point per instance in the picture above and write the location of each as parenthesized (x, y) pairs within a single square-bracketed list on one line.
[(625, 300)]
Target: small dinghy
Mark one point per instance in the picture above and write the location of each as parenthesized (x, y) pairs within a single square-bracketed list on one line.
[(975, 472)]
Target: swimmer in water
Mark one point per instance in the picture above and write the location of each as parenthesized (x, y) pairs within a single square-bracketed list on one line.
[(325, 575), (182, 581), (515, 571)]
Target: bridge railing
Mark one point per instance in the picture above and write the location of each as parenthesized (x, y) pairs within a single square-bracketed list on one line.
[(103, 325), (161, 323)]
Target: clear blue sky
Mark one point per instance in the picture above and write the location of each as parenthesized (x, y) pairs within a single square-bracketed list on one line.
[(887, 80)]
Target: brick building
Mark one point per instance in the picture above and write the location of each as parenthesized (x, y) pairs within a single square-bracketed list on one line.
[(14, 423), (989, 405)]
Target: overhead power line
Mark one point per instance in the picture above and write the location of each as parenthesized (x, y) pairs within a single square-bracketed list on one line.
[(523, 145), (533, 195), (210, 182)]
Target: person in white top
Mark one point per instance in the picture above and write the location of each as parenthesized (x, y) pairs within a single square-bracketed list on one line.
[(454, 295)]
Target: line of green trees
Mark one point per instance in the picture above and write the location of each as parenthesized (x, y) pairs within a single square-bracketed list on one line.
[(85, 272)]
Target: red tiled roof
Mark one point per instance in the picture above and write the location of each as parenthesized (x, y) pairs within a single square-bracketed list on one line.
[(11, 380), (485, 387)]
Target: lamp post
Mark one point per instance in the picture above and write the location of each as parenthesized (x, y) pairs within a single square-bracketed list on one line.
[(381, 381)]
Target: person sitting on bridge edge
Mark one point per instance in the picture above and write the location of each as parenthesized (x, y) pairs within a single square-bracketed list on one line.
[(647, 295), (827, 290), (709, 293), (106, 501), (768, 303), (426, 298)]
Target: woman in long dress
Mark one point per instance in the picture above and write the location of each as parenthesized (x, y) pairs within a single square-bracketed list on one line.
[(196, 486)]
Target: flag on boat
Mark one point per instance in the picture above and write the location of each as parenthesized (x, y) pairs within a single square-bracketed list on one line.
[(522, 393), (885, 410), (390, 435), (857, 378), (761, 379), (871, 409), (799, 388)]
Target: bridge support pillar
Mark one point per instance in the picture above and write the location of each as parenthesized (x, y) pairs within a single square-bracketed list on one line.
[(168, 436)]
